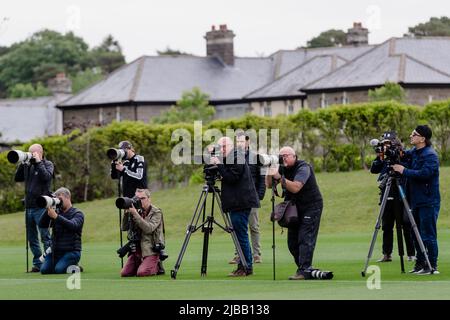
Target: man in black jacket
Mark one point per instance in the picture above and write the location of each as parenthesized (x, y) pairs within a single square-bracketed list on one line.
[(238, 197), (298, 179), (67, 224), (132, 168), (37, 175), (243, 143)]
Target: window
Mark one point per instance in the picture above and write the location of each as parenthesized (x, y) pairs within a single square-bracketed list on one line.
[(290, 108), (267, 111)]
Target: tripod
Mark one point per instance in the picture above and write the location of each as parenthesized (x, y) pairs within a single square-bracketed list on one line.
[(392, 176), (119, 194), (207, 227)]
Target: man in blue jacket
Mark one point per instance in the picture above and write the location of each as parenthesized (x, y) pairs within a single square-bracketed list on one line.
[(422, 174), (67, 224)]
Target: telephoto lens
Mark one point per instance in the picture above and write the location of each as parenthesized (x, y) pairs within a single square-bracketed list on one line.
[(15, 156), (316, 274)]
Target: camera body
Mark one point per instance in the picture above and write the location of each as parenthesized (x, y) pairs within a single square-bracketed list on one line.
[(126, 203), (159, 248), (389, 148)]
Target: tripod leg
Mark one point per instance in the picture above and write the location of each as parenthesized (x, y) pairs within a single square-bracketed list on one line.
[(229, 226), (398, 227), (377, 225), (207, 231), (119, 193), (414, 225), (26, 242), (190, 229)]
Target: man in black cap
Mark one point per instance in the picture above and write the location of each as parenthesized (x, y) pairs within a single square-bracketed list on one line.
[(132, 168), (422, 174)]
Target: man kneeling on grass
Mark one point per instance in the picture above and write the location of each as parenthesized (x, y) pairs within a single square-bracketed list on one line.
[(146, 234), (67, 224)]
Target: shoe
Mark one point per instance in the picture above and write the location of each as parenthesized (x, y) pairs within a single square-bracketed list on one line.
[(411, 258), (240, 272), (35, 269), (235, 260), (160, 269), (385, 258), (257, 259), (424, 271), (416, 269), (435, 271), (297, 276)]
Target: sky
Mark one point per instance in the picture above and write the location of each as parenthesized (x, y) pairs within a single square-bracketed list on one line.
[(262, 27)]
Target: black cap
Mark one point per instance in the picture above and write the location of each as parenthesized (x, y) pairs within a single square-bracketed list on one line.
[(125, 145), (424, 131)]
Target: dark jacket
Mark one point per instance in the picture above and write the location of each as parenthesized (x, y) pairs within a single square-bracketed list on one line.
[(309, 195), (38, 179), (258, 179), (422, 174), (67, 228), (238, 190), (134, 175)]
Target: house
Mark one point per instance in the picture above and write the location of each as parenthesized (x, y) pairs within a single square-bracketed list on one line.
[(27, 118)]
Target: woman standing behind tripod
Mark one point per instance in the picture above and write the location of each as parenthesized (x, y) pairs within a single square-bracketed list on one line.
[(394, 208)]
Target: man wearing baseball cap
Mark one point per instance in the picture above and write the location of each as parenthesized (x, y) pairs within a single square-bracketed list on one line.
[(422, 174)]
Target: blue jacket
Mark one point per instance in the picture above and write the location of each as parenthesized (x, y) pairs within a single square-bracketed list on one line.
[(422, 174)]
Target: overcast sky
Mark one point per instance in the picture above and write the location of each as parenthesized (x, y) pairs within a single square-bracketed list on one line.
[(261, 27)]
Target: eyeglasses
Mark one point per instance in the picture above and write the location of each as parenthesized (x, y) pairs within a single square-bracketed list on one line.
[(284, 156)]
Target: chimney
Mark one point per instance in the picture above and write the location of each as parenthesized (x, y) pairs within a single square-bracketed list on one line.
[(219, 43), (60, 84), (358, 35)]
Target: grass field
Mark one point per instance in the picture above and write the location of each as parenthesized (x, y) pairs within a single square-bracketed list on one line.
[(351, 208)]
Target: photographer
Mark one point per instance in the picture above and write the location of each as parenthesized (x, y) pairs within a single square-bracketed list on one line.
[(422, 176), (238, 197), (133, 170), (394, 206), (145, 232), (37, 175), (67, 225), (243, 144), (298, 179)]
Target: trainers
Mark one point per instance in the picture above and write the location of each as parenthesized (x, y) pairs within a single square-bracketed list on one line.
[(257, 259), (35, 269), (240, 272), (235, 260), (423, 271), (416, 269), (297, 276), (411, 258), (385, 258)]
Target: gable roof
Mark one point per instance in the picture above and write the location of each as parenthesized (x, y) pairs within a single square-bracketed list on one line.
[(164, 78), (288, 84), (407, 61)]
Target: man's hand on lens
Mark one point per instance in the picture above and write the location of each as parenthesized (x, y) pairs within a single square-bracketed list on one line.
[(52, 213), (398, 168), (133, 211), (37, 157), (273, 171), (214, 160), (119, 166)]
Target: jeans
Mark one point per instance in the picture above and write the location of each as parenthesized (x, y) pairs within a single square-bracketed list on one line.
[(33, 215), (239, 221), (426, 219), (62, 261)]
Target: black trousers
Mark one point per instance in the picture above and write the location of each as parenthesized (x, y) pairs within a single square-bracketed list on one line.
[(395, 207), (302, 238)]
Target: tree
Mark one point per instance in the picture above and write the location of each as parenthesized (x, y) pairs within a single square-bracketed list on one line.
[(27, 90), (171, 52), (390, 91), (436, 27), (84, 79), (194, 105), (108, 55), (329, 38)]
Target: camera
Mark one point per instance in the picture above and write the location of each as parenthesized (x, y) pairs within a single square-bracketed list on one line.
[(48, 202), (267, 160), (126, 203), (116, 154), (389, 148), (129, 247), (159, 247), (316, 274), (15, 156)]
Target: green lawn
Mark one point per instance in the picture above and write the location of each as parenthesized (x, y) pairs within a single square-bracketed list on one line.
[(351, 208)]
